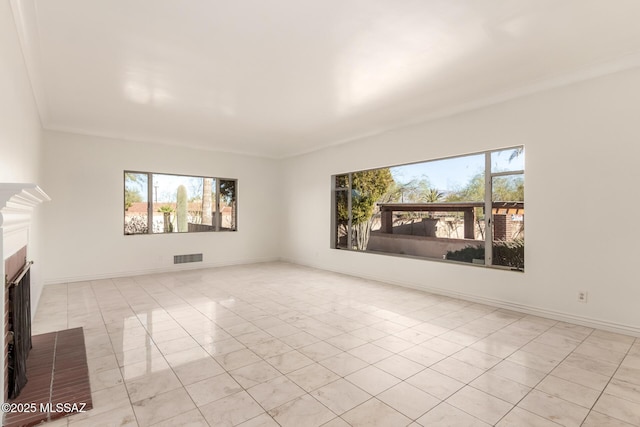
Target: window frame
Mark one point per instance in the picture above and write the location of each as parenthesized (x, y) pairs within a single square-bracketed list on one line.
[(150, 202), (489, 175)]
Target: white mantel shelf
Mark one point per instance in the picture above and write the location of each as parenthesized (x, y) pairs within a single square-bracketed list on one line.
[(19, 197), (24, 194), (17, 201)]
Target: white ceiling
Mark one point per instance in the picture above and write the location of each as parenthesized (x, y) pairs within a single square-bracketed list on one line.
[(281, 77)]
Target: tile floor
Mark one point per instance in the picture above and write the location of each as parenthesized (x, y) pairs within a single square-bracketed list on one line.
[(277, 344)]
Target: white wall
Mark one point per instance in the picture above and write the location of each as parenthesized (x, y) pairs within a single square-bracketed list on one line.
[(20, 142), (84, 236), (582, 151)]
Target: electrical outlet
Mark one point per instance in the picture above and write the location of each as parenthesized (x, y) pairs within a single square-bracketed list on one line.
[(582, 296)]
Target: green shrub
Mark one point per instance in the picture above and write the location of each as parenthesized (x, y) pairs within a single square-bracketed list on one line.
[(467, 254), (507, 253)]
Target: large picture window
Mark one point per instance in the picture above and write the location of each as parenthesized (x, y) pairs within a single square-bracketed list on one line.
[(465, 209), (157, 203)]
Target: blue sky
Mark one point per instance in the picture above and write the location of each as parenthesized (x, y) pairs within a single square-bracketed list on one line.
[(454, 173), (167, 186)]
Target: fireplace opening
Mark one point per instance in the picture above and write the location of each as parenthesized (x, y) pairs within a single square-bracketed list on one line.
[(18, 331)]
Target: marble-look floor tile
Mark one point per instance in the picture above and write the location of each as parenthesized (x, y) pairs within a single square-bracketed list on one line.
[(122, 416), (422, 355), (149, 385), (435, 383), (368, 333), (212, 389), (518, 373), (147, 367), (392, 344), (197, 370), (413, 336), (222, 347), (344, 364), (399, 366), (231, 410), (263, 420), (176, 359), (499, 346), (598, 366), (282, 330), (336, 422), (102, 363), (136, 355), (624, 390), (628, 374), (289, 362), (554, 409), (346, 341), (270, 348), (303, 411), (319, 351), (442, 346), (477, 358), (572, 392), (177, 345), (106, 400), (503, 388), (375, 413), (275, 392), (105, 379), (618, 408), (631, 361), (597, 352), (408, 400), (518, 417), (370, 353), (254, 374), (372, 380), (445, 415), (161, 407), (340, 396), (542, 363), (481, 405), (581, 376), (300, 339), (465, 335), (458, 370), (312, 377), (596, 419), (237, 359), (191, 418)]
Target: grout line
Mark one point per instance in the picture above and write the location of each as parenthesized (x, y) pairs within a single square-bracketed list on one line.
[(53, 371)]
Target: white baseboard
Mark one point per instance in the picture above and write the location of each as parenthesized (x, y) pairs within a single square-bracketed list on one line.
[(166, 269), (521, 308)]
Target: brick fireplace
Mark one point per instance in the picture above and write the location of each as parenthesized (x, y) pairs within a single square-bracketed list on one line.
[(17, 202)]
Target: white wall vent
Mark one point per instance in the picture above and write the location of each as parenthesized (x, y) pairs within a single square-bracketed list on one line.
[(181, 259)]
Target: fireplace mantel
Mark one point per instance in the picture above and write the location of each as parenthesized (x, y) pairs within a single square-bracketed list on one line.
[(17, 201)]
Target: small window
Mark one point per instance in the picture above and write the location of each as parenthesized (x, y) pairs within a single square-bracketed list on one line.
[(157, 203)]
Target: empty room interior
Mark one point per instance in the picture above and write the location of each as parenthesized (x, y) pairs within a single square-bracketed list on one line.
[(312, 213)]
